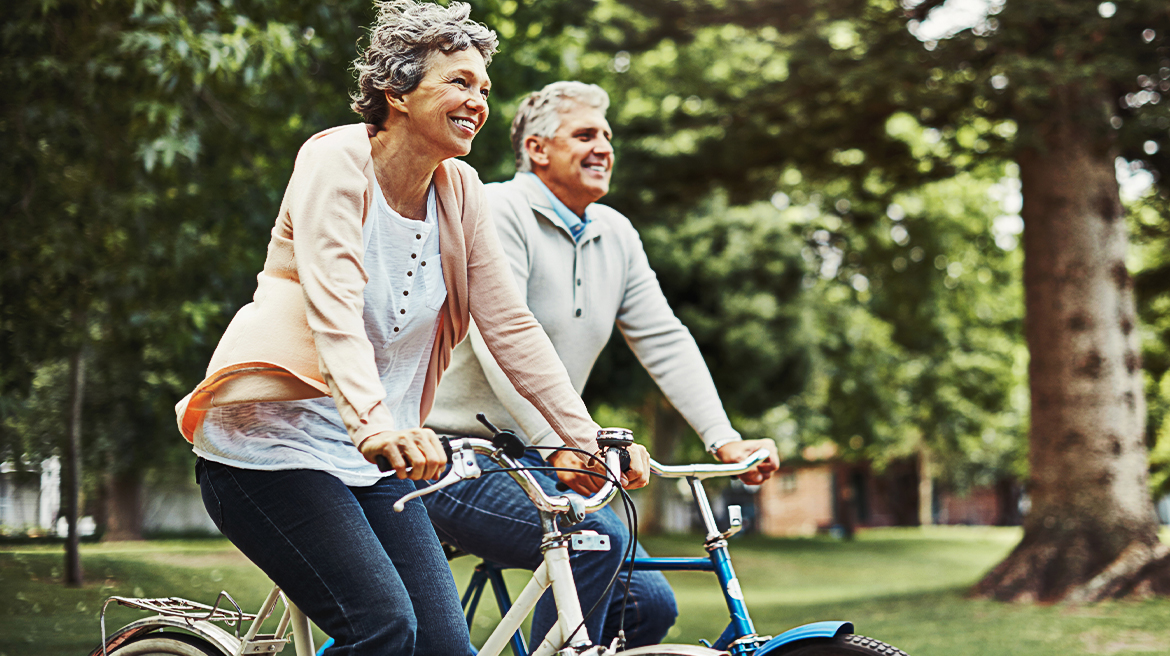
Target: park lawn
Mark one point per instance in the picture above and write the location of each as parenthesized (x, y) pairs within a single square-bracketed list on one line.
[(904, 586)]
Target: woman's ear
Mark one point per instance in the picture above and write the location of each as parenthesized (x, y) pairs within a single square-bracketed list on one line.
[(396, 101), (537, 152)]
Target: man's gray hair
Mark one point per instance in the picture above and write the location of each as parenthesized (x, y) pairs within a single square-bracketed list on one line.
[(539, 114), (404, 36)]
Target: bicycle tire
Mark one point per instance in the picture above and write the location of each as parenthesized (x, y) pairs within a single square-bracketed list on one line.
[(848, 644), (167, 644), (672, 650)]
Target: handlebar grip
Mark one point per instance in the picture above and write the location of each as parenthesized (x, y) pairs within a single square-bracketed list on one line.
[(384, 463)]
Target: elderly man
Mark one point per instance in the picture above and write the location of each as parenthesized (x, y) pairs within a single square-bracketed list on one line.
[(581, 267)]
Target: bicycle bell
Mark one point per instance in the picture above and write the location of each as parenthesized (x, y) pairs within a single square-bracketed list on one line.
[(615, 437)]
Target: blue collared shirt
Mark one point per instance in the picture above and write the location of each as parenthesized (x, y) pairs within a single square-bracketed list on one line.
[(574, 223)]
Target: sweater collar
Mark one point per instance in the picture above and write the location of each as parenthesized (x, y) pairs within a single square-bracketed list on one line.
[(547, 202)]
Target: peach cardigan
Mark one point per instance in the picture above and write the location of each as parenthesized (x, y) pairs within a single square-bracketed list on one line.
[(302, 336)]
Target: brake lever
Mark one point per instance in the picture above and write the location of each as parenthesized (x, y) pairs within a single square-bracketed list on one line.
[(463, 467), (504, 440)]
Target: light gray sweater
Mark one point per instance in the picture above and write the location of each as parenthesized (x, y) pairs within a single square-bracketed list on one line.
[(576, 290)]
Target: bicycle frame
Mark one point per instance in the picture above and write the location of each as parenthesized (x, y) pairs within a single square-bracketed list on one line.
[(199, 620), (739, 638), (553, 572)]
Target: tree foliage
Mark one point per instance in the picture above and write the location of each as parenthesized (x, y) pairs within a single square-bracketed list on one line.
[(143, 144), (146, 146), (826, 188)]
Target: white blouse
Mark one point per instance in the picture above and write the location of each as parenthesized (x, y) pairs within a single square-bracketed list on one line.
[(403, 296)]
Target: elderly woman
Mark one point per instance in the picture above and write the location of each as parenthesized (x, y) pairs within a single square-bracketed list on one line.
[(380, 255)]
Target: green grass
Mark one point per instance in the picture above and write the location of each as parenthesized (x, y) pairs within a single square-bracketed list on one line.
[(907, 587), (904, 586), (39, 616)]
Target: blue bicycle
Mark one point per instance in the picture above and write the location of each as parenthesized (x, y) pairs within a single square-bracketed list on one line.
[(828, 638)]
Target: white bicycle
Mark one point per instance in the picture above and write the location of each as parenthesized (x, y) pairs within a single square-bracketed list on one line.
[(180, 627)]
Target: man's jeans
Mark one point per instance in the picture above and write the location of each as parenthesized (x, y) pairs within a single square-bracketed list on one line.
[(374, 580), (492, 518)]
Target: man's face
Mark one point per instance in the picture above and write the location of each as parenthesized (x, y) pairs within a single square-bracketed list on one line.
[(576, 162)]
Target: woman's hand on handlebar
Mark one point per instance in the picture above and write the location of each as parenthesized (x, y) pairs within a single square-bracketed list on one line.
[(741, 450), (417, 448)]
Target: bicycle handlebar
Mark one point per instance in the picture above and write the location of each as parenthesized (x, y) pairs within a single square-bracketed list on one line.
[(704, 470), (562, 504)]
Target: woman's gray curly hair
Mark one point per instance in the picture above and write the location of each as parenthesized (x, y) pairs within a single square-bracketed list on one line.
[(539, 113), (402, 39)]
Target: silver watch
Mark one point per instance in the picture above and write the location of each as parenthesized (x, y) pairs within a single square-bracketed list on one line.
[(714, 447)]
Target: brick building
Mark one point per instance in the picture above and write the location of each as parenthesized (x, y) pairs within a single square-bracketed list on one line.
[(823, 493)]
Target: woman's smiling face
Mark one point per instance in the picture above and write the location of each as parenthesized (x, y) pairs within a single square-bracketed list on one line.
[(450, 104)]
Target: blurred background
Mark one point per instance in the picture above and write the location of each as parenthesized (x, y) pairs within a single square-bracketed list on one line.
[(915, 241)]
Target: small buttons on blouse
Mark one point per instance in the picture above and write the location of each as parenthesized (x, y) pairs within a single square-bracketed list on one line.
[(409, 273), (402, 312), (405, 293), (578, 311), (418, 236), (413, 255)]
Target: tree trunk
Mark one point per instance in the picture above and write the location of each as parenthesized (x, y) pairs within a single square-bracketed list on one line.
[(71, 474), (925, 488), (666, 429), (124, 506), (845, 501), (1007, 493), (1091, 532)]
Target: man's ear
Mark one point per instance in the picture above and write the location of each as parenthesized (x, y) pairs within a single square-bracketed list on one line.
[(396, 101), (536, 150)]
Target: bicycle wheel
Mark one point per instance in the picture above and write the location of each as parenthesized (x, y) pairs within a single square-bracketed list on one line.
[(842, 645), (167, 644), (672, 650)]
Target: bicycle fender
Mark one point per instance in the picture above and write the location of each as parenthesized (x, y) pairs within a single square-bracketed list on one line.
[(828, 629), (216, 637)]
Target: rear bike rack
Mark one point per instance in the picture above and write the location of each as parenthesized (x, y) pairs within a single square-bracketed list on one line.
[(198, 618)]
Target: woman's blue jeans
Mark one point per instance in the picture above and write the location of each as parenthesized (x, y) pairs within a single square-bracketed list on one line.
[(491, 517), (374, 580)]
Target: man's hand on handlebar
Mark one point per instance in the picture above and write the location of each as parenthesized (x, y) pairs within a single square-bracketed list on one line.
[(637, 476), (737, 451), (639, 473), (417, 448), (579, 482)]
